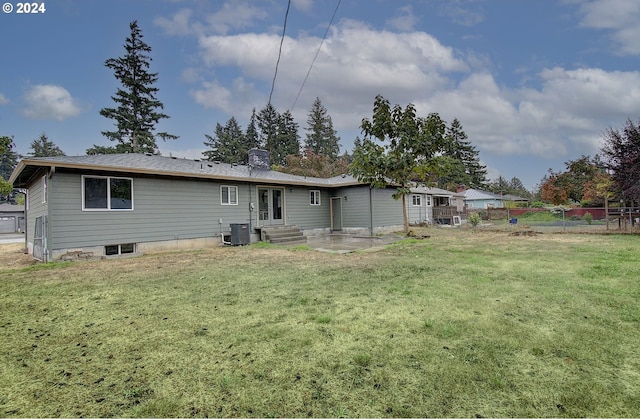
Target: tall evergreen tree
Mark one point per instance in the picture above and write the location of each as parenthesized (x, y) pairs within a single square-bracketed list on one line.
[(267, 120), (42, 147), (251, 136), (138, 110), (228, 145), (288, 138), (321, 137), (458, 146)]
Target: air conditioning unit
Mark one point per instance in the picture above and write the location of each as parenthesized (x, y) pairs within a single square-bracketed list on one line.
[(240, 234)]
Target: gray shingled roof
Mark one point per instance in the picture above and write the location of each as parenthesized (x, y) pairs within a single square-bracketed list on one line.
[(434, 191), (11, 208), (476, 194), (169, 166)]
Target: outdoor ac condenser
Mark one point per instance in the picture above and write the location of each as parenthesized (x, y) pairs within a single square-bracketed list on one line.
[(240, 234)]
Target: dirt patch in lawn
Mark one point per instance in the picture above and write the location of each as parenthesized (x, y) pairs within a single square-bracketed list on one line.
[(13, 256)]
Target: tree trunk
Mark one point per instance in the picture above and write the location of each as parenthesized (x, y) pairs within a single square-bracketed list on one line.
[(405, 214)]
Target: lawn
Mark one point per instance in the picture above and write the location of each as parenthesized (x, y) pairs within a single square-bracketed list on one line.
[(462, 324)]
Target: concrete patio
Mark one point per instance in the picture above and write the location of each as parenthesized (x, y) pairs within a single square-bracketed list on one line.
[(348, 243)]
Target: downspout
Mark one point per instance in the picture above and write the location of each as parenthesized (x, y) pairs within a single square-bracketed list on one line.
[(26, 221), (250, 205), (370, 211)]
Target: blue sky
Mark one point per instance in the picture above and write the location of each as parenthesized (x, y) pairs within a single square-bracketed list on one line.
[(534, 83)]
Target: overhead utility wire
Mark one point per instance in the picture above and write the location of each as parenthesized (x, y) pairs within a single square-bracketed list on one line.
[(316, 56), (284, 29)]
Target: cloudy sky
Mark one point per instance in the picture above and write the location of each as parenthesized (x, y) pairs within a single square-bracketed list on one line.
[(534, 83)]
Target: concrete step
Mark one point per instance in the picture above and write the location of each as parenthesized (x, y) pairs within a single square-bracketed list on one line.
[(289, 241), (284, 235)]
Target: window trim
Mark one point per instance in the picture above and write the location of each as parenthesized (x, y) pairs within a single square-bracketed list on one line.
[(429, 201), (119, 249), (228, 194), (313, 194), (416, 198), (108, 178)]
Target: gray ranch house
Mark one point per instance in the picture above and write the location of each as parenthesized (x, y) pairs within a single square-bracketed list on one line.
[(116, 204)]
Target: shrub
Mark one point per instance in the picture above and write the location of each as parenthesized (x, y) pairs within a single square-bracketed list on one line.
[(474, 219), (588, 218)]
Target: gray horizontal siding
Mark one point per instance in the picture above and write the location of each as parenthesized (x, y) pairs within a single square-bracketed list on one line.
[(301, 213), (355, 207), (164, 209), (386, 210)]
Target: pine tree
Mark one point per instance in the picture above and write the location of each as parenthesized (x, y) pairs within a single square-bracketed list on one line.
[(458, 146), (268, 119), (321, 137), (228, 145), (137, 111), (42, 147), (251, 134), (288, 138)]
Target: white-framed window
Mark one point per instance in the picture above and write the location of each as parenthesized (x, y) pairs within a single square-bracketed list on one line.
[(428, 199), (44, 189), (106, 193), (119, 249), (314, 197), (228, 195), (416, 200)]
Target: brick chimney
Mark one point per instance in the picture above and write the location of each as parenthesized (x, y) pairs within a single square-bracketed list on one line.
[(461, 188), (259, 159)]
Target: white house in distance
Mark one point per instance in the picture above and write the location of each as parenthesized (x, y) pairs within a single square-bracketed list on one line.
[(477, 199)]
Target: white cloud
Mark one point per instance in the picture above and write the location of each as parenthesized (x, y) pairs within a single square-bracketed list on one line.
[(405, 21), (304, 5), (3, 99), (230, 100), (178, 24), (462, 12), (234, 15), (231, 16), (567, 115), (563, 117), (48, 101), (354, 64), (619, 16)]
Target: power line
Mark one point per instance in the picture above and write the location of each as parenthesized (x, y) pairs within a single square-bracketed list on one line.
[(316, 56), (284, 29)]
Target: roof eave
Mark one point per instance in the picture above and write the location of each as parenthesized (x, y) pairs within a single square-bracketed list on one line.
[(118, 169)]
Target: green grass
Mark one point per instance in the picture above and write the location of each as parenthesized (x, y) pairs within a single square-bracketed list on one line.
[(463, 324)]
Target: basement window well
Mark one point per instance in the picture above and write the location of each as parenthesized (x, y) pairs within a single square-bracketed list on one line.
[(119, 249)]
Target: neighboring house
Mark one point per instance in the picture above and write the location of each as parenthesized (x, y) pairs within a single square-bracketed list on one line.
[(11, 218), (132, 203), (477, 199), (434, 206)]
